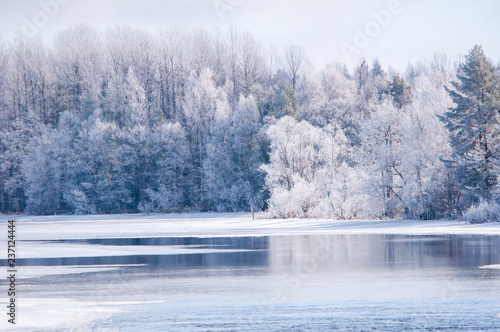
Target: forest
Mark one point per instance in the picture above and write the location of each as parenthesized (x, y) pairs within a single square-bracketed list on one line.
[(127, 121)]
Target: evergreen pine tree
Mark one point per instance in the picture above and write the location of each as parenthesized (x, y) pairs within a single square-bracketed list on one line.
[(472, 124)]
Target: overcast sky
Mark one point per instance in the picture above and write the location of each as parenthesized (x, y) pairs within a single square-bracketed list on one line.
[(395, 31)]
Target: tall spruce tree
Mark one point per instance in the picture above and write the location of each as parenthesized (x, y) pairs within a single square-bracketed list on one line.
[(472, 125)]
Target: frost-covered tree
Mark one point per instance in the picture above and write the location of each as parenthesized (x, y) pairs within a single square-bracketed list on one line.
[(136, 51), (172, 71), (339, 181), (331, 100), (135, 105), (309, 172), (42, 179), (77, 62), (252, 64), (52, 166), (4, 71), (379, 79), (381, 156), (235, 150), (423, 147), (139, 159), (131, 77), (429, 190), (164, 179), (14, 140), (102, 186), (30, 81), (363, 80), (205, 105), (400, 91), (473, 126), (294, 161), (294, 57)]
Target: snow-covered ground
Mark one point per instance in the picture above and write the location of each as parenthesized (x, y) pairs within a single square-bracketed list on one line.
[(223, 224), (63, 314)]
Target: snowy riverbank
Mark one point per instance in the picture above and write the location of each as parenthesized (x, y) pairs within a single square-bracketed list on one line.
[(223, 224), (35, 235)]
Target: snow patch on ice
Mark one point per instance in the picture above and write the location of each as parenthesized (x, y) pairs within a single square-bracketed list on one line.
[(491, 267), (65, 314), (39, 271)]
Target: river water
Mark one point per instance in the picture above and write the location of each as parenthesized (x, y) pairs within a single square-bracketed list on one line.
[(285, 283)]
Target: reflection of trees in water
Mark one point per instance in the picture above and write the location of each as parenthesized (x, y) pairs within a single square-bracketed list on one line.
[(337, 251), (249, 251), (301, 252)]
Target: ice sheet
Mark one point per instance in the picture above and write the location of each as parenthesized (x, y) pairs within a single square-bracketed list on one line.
[(64, 314)]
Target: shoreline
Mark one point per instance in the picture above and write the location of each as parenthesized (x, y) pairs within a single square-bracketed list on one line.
[(70, 227)]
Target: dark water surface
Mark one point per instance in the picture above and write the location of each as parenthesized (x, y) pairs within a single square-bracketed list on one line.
[(297, 283)]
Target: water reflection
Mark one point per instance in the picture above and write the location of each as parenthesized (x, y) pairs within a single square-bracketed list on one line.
[(396, 251), (181, 261), (251, 243)]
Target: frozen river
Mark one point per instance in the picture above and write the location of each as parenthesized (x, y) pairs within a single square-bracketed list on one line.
[(293, 282)]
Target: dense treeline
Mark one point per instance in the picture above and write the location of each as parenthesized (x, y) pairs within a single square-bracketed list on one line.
[(130, 121)]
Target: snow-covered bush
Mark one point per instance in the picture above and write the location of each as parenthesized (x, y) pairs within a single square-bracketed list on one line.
[(308, 175), (482, 213), (79, 202), (294, 203)]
